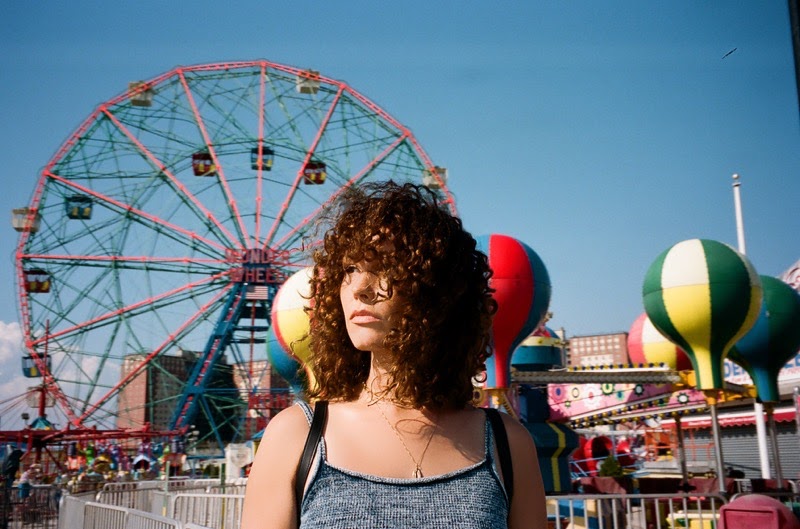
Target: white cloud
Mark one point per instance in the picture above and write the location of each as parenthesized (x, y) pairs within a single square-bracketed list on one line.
[(10, 342), (13, 386), (12, 383), (10, 360)]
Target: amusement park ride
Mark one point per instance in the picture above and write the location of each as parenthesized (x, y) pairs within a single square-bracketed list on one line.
[(163, 227), (175, 225)]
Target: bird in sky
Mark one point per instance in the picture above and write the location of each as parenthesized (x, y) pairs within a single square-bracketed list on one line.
[(733, 50)]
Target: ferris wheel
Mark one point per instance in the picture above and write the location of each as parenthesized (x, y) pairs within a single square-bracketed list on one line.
[(159, 233)]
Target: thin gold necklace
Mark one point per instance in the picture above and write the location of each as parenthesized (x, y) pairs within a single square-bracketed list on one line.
[(417, 464)]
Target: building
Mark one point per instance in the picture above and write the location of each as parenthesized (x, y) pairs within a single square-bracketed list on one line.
[(598, 350), (271, 394), (151, 396), (259, 371)]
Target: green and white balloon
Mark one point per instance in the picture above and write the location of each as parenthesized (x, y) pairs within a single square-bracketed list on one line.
[(703, 296)]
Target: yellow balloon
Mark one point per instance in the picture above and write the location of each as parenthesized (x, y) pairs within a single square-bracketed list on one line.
[(290, 320)]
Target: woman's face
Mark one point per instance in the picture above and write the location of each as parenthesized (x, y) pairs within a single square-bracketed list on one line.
[(369, 312)]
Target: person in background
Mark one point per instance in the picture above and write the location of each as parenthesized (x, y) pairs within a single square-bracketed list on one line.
[(10, 467), (31, 476)]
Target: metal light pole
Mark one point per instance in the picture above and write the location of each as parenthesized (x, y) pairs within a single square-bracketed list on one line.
[(758, 408), (712, 400)]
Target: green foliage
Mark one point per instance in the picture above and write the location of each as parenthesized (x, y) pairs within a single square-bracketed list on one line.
[(610, 467)]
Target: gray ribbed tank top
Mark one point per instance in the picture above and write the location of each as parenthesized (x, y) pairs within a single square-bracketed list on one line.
[(472, 497)]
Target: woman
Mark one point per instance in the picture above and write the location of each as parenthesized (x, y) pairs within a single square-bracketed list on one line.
[(400, 316)]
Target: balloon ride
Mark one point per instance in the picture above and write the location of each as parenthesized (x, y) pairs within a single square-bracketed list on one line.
[(539, 351), (522, 292), (704, 296), (286, 365), (648, 346), (290, 321), (773, 340)]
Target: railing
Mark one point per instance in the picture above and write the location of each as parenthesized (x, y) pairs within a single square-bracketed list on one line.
[(217, 511), (194, 505), (184, 503), (582, 467), (100, 516), (632, 511), (75, 513), (150, 496), (35, 506)]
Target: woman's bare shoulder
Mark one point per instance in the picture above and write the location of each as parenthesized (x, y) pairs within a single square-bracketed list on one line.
[(269, 497), (286, 425), (528, 508), (518, 435)]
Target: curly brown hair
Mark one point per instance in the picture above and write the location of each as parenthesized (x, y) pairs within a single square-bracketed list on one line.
[(441, 339)]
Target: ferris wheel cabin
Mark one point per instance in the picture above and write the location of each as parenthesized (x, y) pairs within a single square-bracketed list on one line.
[(140, 93), (267, 158), (25, 219), (429, 178), (203, 164), (307, 82), (37, 281), (30, 369), (79, 207), (314, 172)]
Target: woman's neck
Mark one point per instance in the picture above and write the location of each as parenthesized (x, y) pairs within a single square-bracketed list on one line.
[(378, 380), (378, 385)]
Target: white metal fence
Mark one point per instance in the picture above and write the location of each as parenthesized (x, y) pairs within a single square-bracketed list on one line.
[(633, 511), (129, 506), (101, 516), (217, 511), (197, 505)]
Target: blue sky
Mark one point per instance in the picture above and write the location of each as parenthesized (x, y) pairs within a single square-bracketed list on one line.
[(598, 133)]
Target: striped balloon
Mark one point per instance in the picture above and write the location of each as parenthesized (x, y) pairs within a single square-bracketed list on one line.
[(704, 296), (773, 340), (648, 346), (539, 351), (522, 292), (286, 365), (289, 318)]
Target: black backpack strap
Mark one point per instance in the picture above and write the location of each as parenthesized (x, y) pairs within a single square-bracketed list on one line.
[(314, 435), (503, 450)]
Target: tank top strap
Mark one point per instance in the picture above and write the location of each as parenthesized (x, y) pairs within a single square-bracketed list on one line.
[(319, 454), (306, 410), (492, 462), (309, 413), (488, 441)]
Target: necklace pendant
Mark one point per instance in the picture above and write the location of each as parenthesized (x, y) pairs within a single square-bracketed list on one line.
[(417, 472)]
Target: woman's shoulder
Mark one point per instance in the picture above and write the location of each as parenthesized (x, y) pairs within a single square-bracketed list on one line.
[(518, 435), (513, 425), (270, 493), (288, 426)]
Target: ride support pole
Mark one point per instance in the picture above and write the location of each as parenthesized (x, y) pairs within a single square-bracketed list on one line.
[(681, 450), (711, 398), (773, 437)]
